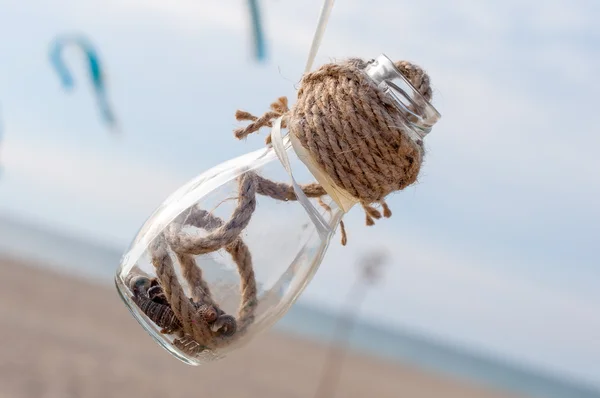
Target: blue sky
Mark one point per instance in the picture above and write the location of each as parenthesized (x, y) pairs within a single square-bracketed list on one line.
[(495, 248)]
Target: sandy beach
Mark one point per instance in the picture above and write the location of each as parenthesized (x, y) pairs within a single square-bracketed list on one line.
[(63, 337)]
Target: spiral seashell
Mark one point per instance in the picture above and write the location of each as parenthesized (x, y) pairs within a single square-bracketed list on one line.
[(156, 294), (208, 313), (225, 325), (139, 285), (162, 315)]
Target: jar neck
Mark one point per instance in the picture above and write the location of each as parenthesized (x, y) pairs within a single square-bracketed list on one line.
[(418, 113)]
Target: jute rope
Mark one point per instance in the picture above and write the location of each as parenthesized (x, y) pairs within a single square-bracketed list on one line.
[(200, 323), (353, 130)]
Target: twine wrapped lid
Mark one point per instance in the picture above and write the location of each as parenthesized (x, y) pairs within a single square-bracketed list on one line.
[(363, 131), (356, 132)]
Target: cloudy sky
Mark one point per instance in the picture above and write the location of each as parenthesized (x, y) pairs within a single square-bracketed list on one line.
[(494, 248)]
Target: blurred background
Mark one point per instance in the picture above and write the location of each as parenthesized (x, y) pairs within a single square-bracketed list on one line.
[(492, 285)]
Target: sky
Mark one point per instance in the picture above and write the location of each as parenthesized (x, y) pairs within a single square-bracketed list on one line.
[(495, 248)]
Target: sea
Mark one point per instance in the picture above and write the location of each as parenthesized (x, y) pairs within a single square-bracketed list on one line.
[(71, 255)]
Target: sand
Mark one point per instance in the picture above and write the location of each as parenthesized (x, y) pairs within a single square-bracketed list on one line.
[(64, 337)]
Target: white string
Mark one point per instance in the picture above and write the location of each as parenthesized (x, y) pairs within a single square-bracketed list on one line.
[(277, 141), (321, 225), (321, 26)]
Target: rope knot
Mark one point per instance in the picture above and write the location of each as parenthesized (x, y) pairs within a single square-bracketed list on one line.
[(278, 108)]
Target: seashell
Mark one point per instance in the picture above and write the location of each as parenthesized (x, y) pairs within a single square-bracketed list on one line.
[(225, 325), (156, 294), (162, 315), (208, 312), (139, 285)]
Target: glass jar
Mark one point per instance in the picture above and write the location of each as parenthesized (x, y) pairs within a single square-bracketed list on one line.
[(227, 254)]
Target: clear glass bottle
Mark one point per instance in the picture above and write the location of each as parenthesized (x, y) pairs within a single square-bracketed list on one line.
[(235, 246)]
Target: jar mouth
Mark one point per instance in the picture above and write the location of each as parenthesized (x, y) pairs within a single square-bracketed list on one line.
[(418, 112)]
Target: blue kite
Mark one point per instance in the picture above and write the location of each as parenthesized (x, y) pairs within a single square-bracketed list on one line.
[(259, 40), (95, 69)]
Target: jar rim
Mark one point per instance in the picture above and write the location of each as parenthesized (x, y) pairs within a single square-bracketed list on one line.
[(419, 112)]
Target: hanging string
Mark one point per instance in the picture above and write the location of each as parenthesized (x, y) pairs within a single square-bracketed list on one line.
[(319, 32)]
